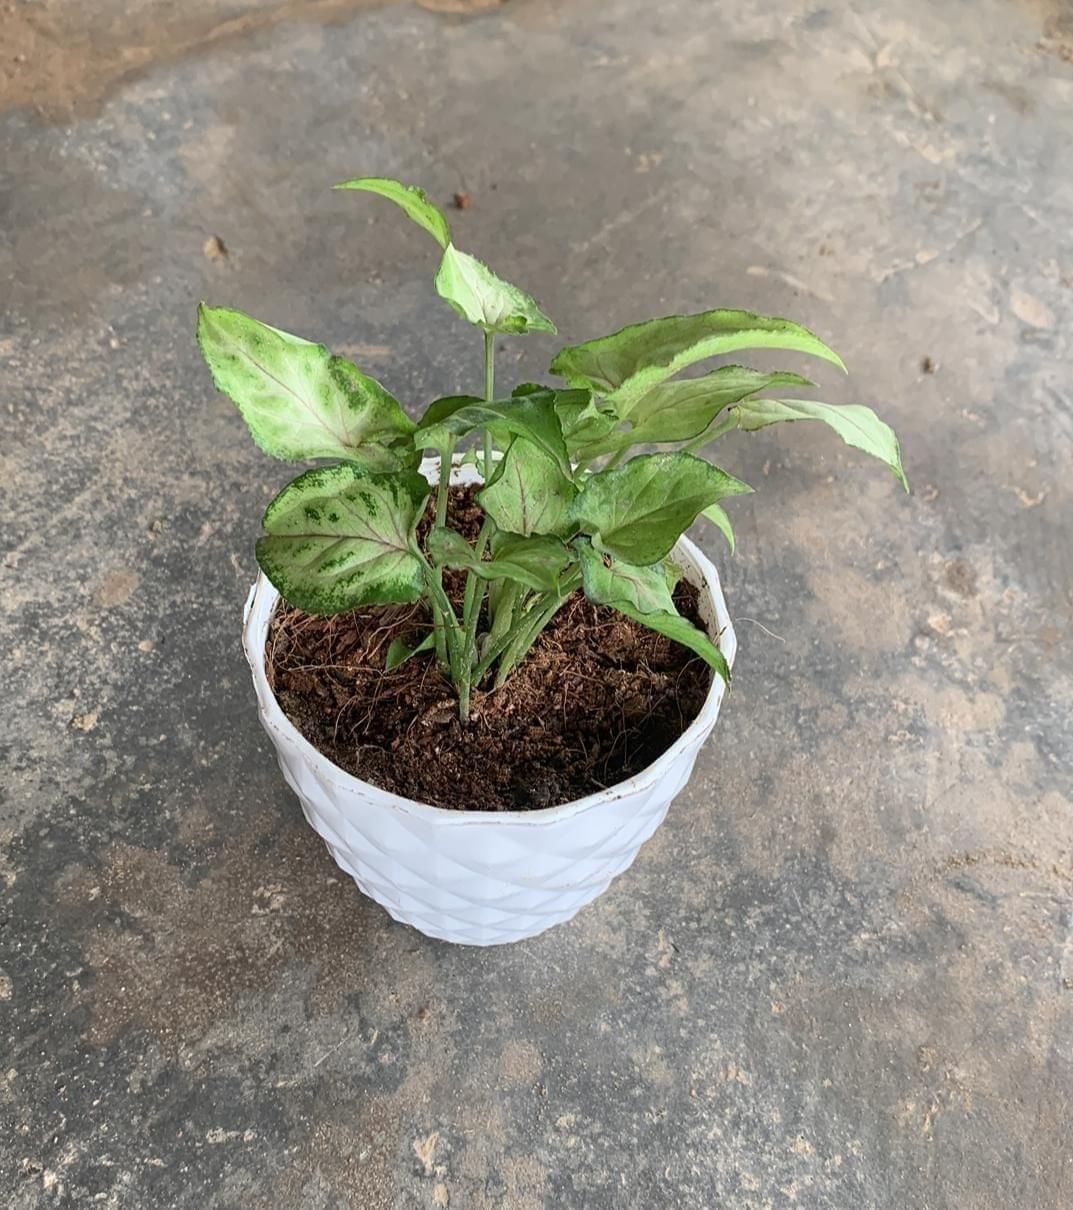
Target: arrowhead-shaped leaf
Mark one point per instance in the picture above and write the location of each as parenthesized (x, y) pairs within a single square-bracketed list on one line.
[(484, 299), (298, 400), (399, 651), (637, 512), (337, 539), (717, 516), (642, 593), (583, 418), (440, 409), (856, 424), (683, 408), (537, 562), (530, 416), (411, 200), (528, 494), (447, 548), (626, 365)]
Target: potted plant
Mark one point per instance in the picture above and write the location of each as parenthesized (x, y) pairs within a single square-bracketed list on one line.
[(468, 594)]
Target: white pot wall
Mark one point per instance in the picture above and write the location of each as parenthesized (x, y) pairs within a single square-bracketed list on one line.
[(477, 877)]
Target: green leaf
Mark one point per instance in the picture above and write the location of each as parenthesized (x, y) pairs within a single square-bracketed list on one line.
[(583, 419), (717, 516), (413, 201), (856, 424), (447, 547), (337, 538), (626, 365), (643, 594), (484, 299), (637, 512), (530, 416), (297, 399), (537, 562), (440, 409), (528, 494), (581, 416), (682, 409), (399, 651)]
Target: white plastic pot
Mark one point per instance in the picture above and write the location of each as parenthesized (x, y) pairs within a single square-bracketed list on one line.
[(484, 877)]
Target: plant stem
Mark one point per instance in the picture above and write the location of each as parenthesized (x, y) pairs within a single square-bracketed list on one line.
[(471, 612), (443, 616), (443, 489), (489, 388), (505, 604), (499, 645), (729, 421), (474, 593), (532, 626)]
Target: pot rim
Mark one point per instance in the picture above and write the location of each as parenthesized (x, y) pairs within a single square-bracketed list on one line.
[(261, 605)]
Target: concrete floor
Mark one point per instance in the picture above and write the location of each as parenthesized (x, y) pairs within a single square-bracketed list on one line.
[(841, 975)]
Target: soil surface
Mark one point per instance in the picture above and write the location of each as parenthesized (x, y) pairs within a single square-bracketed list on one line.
[(598, 698)]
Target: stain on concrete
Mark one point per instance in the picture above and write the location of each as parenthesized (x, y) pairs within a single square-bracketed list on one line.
[(61, 62)]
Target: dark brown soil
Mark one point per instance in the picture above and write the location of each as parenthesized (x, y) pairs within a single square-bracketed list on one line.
[(598, 698)]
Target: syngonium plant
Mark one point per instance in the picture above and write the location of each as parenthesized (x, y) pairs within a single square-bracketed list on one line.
[(567, 503)]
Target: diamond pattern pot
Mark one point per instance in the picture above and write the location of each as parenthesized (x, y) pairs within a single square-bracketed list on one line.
[(475, 877)]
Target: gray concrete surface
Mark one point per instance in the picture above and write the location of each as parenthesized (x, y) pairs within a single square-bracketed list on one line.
[(841, 975)]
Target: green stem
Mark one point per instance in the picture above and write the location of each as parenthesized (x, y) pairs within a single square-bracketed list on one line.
[(496, 648), (506, 602), (444, 618), (729, 421), (471, 612), (489, 387), (443, 489), (471, 605), (532, 626), (474, 593)]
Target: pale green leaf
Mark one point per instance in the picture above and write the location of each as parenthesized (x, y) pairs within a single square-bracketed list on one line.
[(584, 419), (643, 594), (336, 538), (716, 514), (637, 512), (399, 651), (528, 494), (484, 299), (626, 365), (447, 547), (683, 408), (440, 409), (298, 400), (411, 200), (529, 416), (856, 424), (537, 562)]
